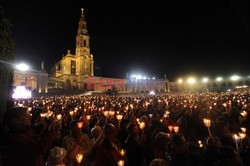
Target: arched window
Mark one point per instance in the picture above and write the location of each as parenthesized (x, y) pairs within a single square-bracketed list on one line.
[(84, 43)]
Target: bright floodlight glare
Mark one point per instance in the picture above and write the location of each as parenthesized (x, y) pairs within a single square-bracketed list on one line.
[(153, 78), (138, 77), (219, 79), (22, 67), (234, 78), (205, 79), (179, 81), (151, 93), (144, 78), (191, 80), (133, 75)]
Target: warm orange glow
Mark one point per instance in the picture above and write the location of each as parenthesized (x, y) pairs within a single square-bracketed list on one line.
[(79, 158), (79, 125), (58, 116), (207, 122)]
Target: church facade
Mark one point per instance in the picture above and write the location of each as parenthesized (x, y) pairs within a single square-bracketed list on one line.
[(73, 68), (75, 71)]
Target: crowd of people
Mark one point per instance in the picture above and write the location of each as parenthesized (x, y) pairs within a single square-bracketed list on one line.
[(203, 129)]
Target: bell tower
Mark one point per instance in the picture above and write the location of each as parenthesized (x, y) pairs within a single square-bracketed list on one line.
[(82, 51)]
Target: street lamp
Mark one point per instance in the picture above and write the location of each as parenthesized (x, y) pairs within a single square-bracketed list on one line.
[(235, 78), (205, 79), (191, 80), (22, 67), (219, 79)]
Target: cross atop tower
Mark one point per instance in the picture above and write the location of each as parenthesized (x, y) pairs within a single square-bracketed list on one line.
[(82, 10)]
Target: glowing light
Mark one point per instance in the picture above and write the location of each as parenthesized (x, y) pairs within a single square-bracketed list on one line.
[(191, 80), (234, 78), (179, 81), (21, 92), (138, 77), (79, 125), (120, 163), (22, 67), (219, 79), (205, 79), (207, 122), (58, 116), (152, 93), (79, 158)]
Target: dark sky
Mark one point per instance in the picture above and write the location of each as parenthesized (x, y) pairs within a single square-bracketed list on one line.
[(155, 37)]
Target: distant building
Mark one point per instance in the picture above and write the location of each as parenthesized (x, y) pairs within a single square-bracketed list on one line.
[(76, 71), (36, 81)]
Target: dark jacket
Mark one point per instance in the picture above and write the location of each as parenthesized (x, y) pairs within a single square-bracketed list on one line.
[(26, 148), (135, 152), (107, 155)]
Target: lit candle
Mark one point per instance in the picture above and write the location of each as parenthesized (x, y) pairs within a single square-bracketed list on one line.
[(119, 117), (112, 113), (42, 115), (236, 140), (138, 120), (243, 129), (242, 135), (71, 113), (176, 129), (122, 152), (79, 125), (120, 163), (29, 108), (142, 125), (199, 142), (243, 113), (207, 123), (58, 116), (105, 113), (88, 117), (170, 128), (79, 158)]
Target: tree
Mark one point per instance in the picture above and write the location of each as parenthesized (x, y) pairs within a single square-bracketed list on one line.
[(6, 59)]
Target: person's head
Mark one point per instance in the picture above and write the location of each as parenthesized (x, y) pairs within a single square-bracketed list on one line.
[(178, 143), (229, 156), (132, 129), (144, 119), (110, 132), (212, 144), (17, 118), (158, 162), (57, 155), (74, 128), (96, 131), (161, 140)]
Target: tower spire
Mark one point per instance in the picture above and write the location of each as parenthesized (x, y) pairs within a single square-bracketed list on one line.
[(82, 10)]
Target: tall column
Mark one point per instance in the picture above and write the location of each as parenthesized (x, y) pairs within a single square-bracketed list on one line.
[(92, 68)]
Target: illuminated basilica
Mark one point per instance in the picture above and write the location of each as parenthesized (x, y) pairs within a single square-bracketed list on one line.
[(76, 71)]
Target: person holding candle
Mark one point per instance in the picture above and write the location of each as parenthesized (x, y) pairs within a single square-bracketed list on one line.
[(76, 143), (97, 138), (179, 154), (211, 150), (135, 151), (57, 157), (108, 151), (26, 147), (160, 143)]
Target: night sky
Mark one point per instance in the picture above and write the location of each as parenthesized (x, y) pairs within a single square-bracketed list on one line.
[(155, 37)]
